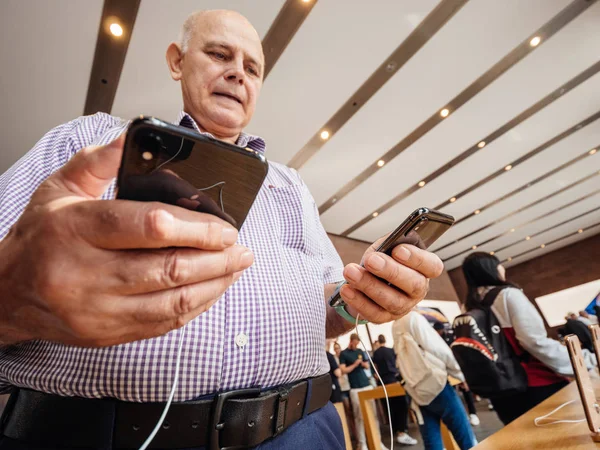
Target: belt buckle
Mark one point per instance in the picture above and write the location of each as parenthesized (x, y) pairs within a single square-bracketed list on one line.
[(216, 425)]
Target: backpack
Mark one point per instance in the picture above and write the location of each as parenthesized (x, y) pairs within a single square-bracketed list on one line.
[(423, 374), (486, 358)]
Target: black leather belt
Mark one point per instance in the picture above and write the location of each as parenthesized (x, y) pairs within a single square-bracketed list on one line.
[(235, 419)]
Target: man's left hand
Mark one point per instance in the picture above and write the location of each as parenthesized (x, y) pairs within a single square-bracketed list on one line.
[(408, 270)]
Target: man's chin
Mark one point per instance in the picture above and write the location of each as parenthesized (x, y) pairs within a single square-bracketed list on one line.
[(224, 123)]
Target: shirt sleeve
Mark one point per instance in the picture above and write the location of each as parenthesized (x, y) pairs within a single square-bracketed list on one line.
[(433, 343), (531, 334), (343, 359), (52, 151)]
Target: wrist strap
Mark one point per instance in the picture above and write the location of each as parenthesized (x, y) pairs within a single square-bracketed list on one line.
[(341, 310)]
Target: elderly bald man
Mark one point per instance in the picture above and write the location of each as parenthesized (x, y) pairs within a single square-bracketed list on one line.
[(96, 292)]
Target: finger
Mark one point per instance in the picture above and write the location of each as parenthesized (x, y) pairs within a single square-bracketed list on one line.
[(360, 304), (427, 263), (411, 281), (125, 224), (173, 308), (138, 272), (91, 170), (413, 287)]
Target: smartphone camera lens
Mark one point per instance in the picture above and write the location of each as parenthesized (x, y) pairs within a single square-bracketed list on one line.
[(150, 145)]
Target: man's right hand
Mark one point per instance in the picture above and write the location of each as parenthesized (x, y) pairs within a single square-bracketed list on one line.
[(90, 272)]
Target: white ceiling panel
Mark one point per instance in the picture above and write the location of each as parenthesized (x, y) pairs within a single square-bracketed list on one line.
[(521, 245), (564, 231), (146, 86), (47, 60), (484, 32), (550, 248), (332, 54), (565, 112), (552, 184), (519, 222)]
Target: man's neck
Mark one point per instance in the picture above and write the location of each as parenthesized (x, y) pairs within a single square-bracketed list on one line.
[(229, 139)]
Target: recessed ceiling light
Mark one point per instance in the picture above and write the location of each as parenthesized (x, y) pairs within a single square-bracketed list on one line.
[(474, 247), (444, 112), (527, 238), (481, 144), (375, 214), (116, 29), (507, 168), (535, 41), (543, 245), (453, 199), (380, 163), (509, 258), (580, 231), (477, 211), (334, 199), (512, 230), (492, 253), (324, 135), (593, 151), (421, 183)]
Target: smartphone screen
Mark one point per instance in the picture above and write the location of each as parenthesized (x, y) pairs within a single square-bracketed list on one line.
[(584, 384)]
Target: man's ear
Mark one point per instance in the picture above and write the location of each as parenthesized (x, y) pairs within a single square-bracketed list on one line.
[(174, 59)]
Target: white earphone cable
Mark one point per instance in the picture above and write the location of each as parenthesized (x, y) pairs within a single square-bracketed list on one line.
[(171, 395), (387, 399)]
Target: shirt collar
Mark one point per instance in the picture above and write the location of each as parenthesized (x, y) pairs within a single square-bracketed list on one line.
[(244, 140)]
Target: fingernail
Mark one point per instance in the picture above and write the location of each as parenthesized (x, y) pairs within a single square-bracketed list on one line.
[(347, 292), (376, 262), (402, 253), (229, 236), (247, 259), (353, 273)]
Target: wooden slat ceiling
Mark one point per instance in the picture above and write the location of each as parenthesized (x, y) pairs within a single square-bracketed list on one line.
[(513, 159)]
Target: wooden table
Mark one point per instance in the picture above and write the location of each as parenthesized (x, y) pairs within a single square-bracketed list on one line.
[(523, 434), (393, 390)]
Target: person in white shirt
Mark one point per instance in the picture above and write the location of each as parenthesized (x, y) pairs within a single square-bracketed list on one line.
[(440, 402)]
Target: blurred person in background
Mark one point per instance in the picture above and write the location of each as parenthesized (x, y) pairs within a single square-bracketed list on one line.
[(545, 361), (384, 359)]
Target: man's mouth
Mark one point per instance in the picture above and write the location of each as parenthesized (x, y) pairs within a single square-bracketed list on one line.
[(231, 96)]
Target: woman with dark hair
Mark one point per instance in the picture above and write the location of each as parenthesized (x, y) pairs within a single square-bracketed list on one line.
[(545, 360)]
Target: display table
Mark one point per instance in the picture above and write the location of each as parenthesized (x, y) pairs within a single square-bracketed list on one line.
[(523, 434), (393, 390)]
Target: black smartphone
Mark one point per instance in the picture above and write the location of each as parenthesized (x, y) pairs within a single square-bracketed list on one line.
[(421, 229), (176, 165)]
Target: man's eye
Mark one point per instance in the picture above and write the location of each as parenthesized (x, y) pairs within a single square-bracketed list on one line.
[(217, 55), (252, 71)]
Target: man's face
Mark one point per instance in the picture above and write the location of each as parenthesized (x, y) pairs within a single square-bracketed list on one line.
[(221, 73), (353, 344)]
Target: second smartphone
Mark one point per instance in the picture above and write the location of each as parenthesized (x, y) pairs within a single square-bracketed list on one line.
[(421, 229)]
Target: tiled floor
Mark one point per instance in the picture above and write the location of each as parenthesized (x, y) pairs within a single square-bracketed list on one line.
[(489, 425)]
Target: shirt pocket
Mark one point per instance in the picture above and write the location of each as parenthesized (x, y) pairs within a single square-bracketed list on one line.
[(295, 209)]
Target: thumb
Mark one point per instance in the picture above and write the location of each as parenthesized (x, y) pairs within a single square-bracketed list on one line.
[(92, 169)]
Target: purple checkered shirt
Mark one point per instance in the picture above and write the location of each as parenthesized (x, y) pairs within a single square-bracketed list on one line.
[(276, 309)]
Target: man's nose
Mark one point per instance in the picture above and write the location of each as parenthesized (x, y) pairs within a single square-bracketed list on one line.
[(236, 72)]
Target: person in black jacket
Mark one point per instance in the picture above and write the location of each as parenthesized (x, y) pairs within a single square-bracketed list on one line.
[(579, 329), (385, 361)]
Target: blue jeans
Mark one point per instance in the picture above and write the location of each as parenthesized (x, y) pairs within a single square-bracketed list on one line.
[(448, 408), (321, 430)]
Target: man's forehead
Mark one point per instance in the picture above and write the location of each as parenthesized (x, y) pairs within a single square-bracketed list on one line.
[(230, 28)]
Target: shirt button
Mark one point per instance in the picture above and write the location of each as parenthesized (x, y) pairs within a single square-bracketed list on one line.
[(241, 340)]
